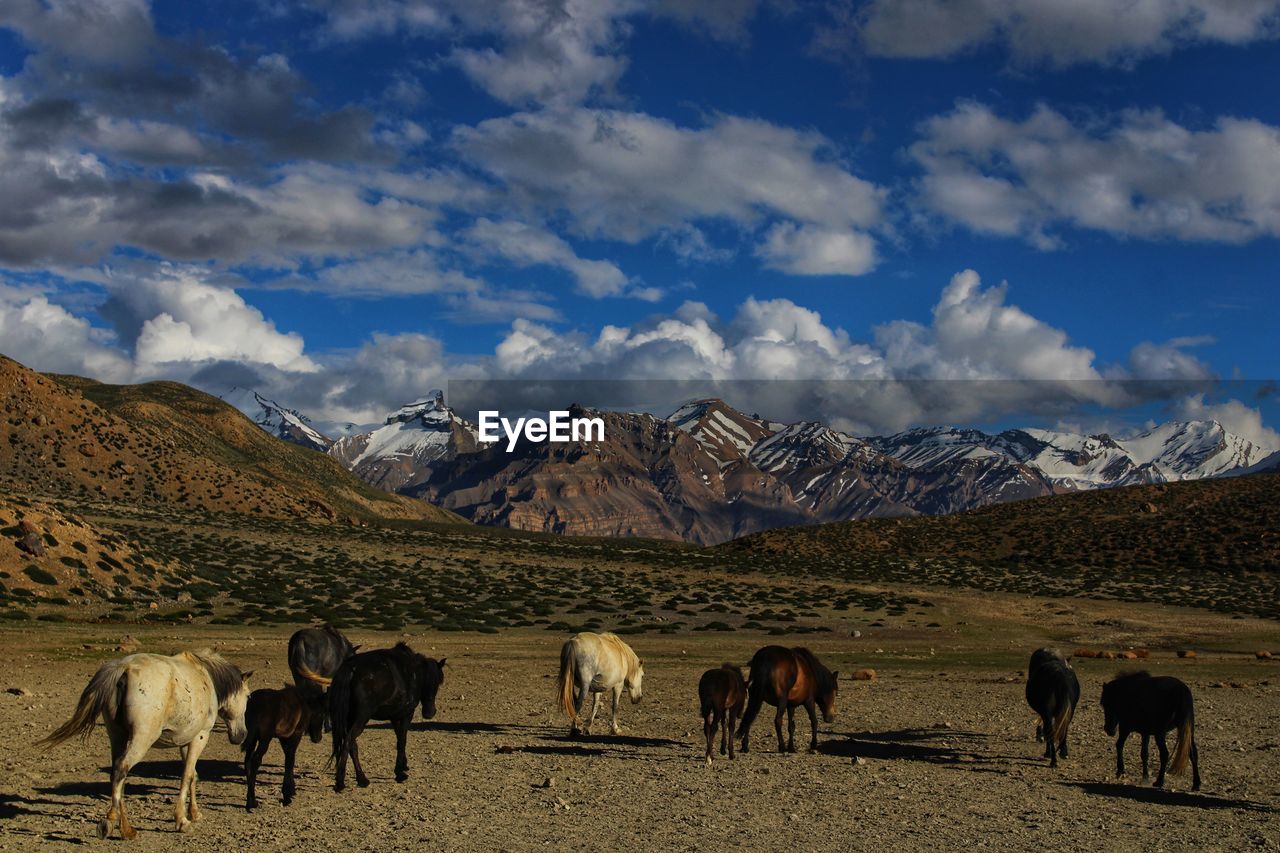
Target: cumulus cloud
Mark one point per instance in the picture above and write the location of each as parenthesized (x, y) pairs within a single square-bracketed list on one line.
[(1137, 174), (814, 250), (1234, 416), (526, 245), (48, 337), (628, 176), (1052, 32)]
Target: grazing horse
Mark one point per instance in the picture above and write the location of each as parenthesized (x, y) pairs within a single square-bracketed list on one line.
[(722, 694), (150, 700), (319, 651), (384, 684), (592, 664), (1052, 692), (1152, 705), (285, 715), (788, 678)]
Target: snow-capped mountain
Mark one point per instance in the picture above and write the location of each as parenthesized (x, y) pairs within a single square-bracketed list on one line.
[(709, 472), (276, 419), (400, 453)]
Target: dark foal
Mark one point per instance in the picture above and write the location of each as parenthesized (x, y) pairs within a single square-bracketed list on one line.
[(1151, 706), (1052, 692), (787, 679), (722, 694), (285, 715)]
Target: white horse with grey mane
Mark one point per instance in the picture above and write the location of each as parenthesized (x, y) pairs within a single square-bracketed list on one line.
[(593, 664), (151, 700)]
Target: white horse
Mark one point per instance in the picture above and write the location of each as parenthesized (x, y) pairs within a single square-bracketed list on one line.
[(592, 664), (151, 700)]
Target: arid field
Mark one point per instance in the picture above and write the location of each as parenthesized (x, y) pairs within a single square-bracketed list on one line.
[(937, 751)]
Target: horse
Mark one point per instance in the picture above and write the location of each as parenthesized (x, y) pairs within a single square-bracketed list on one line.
[(320, 651), (383, 684), (788, 678), (592, 664), (1052, 692), (1152, 705), (285, 715), (722, 694), (149, 700)]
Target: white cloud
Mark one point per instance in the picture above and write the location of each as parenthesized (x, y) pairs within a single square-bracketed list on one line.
[(1057, 33), (628, 176), (174, 316), (48, 337), (526, 245), (814, 250), (1138, 174), (1234, 416)]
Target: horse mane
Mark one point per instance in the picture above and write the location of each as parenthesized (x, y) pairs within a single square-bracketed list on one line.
[(633, 659), (226, 676), (825, 681), (404, 648)]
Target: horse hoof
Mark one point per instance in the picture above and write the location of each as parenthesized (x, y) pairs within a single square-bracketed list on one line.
[(402, 777), (104, 828), (129, 834), (363, 783), (288, 801), (338, 789), (184, 827), (708, 760)]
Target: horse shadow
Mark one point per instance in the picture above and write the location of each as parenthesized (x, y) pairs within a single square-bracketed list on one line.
[(208, 769), (470, 728), (1161, 796), (906, 745)]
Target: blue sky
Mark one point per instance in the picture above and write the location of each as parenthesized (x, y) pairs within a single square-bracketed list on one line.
[(348, 203)]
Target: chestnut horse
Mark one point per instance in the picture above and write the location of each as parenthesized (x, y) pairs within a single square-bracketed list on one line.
[(788, 678), (284, 715), (722, 694)]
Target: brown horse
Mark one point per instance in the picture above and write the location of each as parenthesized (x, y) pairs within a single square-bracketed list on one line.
[(788, 678), (722, 694), (285, 715)]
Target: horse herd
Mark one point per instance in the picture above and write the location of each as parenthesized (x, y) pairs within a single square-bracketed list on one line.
[(148, 700)]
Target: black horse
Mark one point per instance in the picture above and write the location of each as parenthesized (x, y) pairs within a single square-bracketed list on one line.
[(1052, 692), (318, 651), (1152, 705), (384, 684)]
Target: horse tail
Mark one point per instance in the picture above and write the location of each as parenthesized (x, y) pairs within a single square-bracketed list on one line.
[(340, 707), (567, 661), (1065, 713), (96, 698), (1182, 750), (315, 678)]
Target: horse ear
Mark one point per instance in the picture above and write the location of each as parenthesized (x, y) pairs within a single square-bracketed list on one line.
[(835, 675), (246, 675), (440, 663), (356, 647)]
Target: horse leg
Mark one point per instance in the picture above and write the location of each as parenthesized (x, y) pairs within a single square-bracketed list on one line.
[(777, 724), (1124, 733), (729, 729), (709, 731), (723, 717), (1164, 758), (584, 695), (290, 747), (340, 771), (1050, 742), (361, 779), (812, 708), (1146, 741), (119, 745), (254, 751), (402, 759), (754, 700), (595, 707), (1066, 730), (186, 811), (617, 696)]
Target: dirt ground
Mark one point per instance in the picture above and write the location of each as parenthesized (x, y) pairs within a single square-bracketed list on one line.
[(938, 751)]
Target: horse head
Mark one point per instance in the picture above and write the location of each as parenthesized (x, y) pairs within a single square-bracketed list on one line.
[(827, 697), (1109, 717), (232, 708), (432, 678), (634, 682)]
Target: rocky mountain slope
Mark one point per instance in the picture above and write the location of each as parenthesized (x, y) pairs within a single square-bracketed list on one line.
[(166, 445), (709, 472)]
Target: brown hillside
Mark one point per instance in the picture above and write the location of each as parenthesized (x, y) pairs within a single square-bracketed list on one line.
[(166, 445), (1228, 525)]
